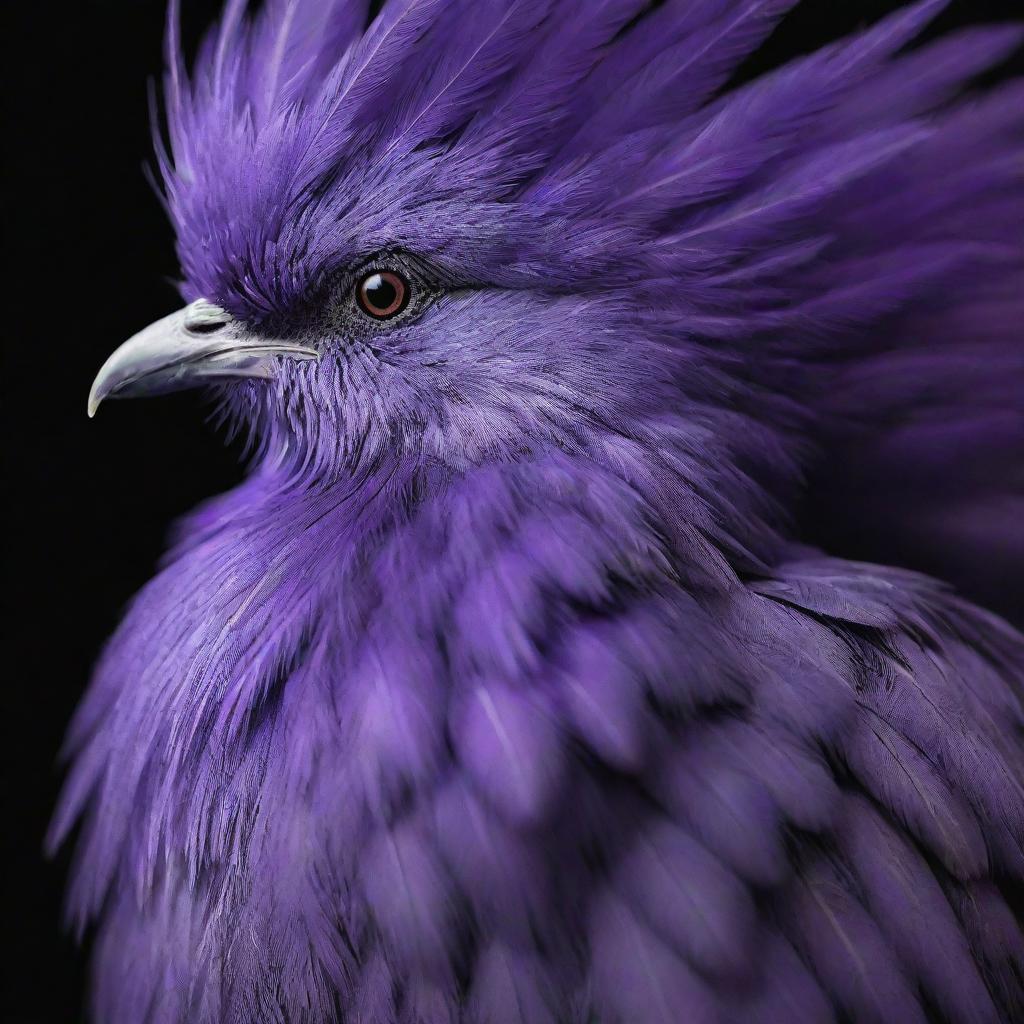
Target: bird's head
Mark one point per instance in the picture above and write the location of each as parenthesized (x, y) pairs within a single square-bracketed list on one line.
[(461, 231), (413, 238)]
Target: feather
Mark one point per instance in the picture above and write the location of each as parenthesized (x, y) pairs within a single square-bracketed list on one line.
[(788, 991), (522, 116), (926, 77), (603, 698), (500, 874), (635, 977), (903, 778), (374, 998), (912, 911), (426, 1003), (729, 811), (290, 33), (483, 51), (400, 735), (807, 694), (846, 950), (921, 704), (798, 191), (375, 55), (690, 900), (673, 61), (996, 941), (510, 987), (408, 895), (797, 778), (510, 748), (497, 644)]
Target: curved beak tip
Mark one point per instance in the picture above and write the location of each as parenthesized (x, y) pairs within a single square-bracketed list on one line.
[(195, 345), (96, 395)]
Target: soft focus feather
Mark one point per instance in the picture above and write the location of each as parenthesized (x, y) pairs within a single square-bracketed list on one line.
[(513, 684), (902, 893)]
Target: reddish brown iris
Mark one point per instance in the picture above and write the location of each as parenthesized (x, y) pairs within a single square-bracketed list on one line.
[(382, 294)]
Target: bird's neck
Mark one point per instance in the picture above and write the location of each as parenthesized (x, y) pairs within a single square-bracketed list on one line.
[(324, 534)]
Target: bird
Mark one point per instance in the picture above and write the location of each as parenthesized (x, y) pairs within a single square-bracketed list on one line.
[(615, 622)]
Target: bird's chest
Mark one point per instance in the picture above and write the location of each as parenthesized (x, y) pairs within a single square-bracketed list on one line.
[(229, 678)]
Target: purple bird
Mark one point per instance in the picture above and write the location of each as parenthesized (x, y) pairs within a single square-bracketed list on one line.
[(528, 677)]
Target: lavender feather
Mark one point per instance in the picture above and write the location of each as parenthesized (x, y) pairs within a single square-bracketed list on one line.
[(514, 683)]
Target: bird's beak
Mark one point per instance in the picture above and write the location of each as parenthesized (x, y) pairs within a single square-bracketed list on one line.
[(195, 345)]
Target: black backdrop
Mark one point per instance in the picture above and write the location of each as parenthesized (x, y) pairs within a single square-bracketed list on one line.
[(89, 502)]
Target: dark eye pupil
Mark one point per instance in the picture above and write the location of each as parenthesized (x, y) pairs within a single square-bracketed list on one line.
[(382, 294)]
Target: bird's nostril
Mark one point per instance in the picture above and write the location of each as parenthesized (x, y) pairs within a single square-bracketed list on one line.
[(205, 327)]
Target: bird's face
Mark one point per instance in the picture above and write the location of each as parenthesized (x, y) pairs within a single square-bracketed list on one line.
[(397, 309), (378, 257)]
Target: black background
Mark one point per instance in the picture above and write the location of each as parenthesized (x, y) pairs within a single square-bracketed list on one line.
[(88, 503)]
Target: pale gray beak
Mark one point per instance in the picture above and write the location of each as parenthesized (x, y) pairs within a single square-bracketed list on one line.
[(199, 343)]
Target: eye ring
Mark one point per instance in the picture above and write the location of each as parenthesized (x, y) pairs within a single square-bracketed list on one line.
[(382, 294)]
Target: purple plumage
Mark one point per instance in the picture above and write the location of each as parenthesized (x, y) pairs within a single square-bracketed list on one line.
[(514, 683)]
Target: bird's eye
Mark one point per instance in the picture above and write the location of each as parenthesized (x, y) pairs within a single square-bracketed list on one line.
[(382, 294)]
